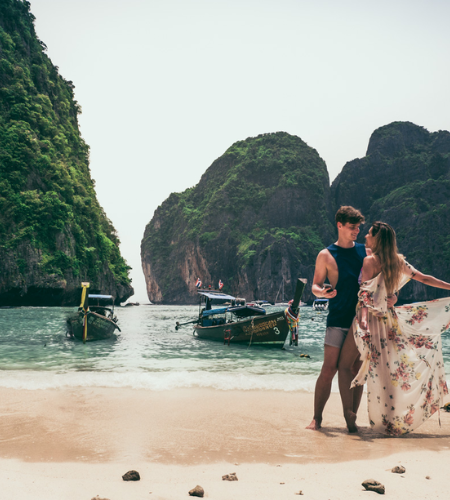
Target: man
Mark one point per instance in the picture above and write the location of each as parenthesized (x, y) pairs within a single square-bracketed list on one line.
[(341, 263)]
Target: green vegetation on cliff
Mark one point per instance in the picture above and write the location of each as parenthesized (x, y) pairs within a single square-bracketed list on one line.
[(263, 202), (47, 197), (262, 211), (398, 154), (405, 180)]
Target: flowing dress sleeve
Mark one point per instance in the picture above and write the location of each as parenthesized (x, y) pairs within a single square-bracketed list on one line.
[(372, 294), (408, 273)]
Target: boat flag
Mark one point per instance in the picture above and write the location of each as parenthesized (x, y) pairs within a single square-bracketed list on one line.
[(220, 285), (198, 283)]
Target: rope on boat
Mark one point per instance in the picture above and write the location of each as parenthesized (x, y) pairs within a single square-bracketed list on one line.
[(292, 320), (252, 328), (85, 306)]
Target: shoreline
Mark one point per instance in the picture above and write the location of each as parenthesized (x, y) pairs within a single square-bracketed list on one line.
[(83, 440)]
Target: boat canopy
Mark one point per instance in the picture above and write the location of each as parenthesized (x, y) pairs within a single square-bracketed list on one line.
[(217, 297), (245, 311), (105, 299), (240, 311), (210, 312)]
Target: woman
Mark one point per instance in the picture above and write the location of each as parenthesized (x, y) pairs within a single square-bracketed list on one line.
[(400, 348)]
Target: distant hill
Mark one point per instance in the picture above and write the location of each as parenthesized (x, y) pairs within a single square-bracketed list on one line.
[(53, 232), (264, 209), (404, 180), (256, 220)]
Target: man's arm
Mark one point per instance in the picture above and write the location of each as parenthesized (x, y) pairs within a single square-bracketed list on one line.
[(320, 274)]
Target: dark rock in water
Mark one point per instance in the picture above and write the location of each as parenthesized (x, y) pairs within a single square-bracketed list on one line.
[(398, 469), (372, 485), (230, 477), (198, 491), (131, 475)]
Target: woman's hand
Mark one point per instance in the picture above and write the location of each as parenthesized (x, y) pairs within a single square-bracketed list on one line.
[(363, 324)]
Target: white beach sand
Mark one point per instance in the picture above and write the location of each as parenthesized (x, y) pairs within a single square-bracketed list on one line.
[(76, 444)]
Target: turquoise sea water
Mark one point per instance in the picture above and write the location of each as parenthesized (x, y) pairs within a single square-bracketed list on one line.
[(35, 353)]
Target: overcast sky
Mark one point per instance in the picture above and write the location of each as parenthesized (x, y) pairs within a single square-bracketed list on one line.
[(166, 86)]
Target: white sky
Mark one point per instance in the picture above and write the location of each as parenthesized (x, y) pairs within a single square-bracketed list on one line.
[(166, 86)]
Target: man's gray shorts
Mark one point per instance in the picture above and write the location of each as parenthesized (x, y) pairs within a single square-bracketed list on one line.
[(335, 336)]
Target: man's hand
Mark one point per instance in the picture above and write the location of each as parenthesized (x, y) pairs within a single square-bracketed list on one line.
[(391, 301), (329, 293)]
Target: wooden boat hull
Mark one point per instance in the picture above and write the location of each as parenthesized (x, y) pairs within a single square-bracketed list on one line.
[(99, 327), (269, 329)]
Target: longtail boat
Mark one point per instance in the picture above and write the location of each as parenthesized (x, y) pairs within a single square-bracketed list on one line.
[(95, 319), (240, 323)]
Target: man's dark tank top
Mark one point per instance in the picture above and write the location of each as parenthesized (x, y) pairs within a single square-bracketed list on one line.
[(341, 309)]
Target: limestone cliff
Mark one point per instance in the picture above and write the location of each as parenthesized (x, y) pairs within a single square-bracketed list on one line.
[(53, 232), (404, 180), (263, 210), (256, 220)]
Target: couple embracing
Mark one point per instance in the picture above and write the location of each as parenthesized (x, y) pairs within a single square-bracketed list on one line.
[(396, 351)]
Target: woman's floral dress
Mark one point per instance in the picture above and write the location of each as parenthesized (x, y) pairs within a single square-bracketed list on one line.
[(402, 357)]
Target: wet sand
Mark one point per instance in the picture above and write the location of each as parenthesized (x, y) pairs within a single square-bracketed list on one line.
[(77, 443)]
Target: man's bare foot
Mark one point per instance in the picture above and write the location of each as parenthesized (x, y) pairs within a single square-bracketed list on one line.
[(350, 418), (315, 425)]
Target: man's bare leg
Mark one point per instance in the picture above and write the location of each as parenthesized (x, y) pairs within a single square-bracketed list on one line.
[(351, 398), (323, 384)]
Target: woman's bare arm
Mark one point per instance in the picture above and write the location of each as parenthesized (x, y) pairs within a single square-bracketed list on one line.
[(429, 280)]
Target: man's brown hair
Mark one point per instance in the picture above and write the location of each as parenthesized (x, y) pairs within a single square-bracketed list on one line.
[(349, 214)]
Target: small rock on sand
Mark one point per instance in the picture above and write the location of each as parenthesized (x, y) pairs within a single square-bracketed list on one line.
[(230, 477), (198, 491), (131, 475), (372, 485), (98, 498), (398, 469)]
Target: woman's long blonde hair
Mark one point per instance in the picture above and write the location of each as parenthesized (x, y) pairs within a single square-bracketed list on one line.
[(385, 246)]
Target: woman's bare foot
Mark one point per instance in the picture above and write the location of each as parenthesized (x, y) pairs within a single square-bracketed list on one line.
[(350, 418), (315, 425)]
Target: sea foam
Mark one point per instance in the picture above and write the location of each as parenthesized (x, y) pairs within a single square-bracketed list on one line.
[(34, 380)]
